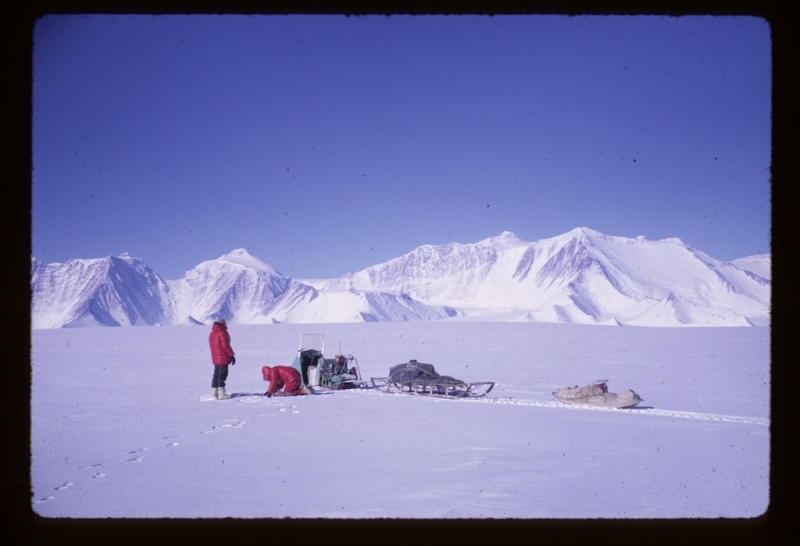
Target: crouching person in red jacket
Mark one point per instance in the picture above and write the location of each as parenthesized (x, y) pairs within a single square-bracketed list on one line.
[(286, 378)]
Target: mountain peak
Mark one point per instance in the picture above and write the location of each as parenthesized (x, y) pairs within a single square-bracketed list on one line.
[(125, 257), (241, 257), (586, 232), (504, 240)]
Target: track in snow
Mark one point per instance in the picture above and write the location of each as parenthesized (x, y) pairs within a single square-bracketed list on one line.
[(638, 411)]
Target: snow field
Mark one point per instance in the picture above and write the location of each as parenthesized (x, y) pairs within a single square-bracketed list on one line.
[(122, 425)]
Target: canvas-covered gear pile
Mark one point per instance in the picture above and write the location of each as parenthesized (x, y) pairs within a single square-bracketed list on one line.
[(596, 394), (417, 378)]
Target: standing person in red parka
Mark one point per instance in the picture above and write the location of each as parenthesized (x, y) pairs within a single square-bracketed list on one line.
[(286, 378), (221, 355)]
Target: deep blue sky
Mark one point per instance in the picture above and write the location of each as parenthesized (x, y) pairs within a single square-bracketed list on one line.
[(326, 144)]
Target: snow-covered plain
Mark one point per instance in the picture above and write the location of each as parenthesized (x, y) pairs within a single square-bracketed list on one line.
[(121, 425)]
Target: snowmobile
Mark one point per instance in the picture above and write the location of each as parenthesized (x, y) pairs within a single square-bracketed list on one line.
[(417, 378), (596, 394), (318, 372)]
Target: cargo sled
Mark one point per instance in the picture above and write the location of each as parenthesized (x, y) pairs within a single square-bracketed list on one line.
[(417, 378), (322, 373), (596, 394)]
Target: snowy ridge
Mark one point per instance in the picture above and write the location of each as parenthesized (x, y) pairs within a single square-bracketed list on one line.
[(110, 291), (241, 257), (121, 291), (760, 265), (582, 276), (313, 305), (235, 286)]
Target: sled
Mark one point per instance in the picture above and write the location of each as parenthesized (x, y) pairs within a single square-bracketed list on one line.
[(596, 394), (422, 379), (318, 372)]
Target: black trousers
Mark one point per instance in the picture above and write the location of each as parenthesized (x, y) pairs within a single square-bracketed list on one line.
[(220, 375)]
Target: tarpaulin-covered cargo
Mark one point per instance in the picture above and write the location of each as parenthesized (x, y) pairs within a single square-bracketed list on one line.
[(596, 394), (418, 378)]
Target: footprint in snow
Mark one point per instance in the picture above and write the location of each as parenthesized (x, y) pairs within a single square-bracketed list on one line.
[(236, 424), (64, 486), (135, 459), (99, 475)]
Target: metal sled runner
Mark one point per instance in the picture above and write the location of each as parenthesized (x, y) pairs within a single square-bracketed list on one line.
[(422, 379)]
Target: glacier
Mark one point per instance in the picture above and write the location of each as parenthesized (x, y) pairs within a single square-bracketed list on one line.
[(582, 276)]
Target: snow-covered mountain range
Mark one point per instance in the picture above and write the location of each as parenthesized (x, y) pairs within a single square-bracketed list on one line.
[(582, 276)]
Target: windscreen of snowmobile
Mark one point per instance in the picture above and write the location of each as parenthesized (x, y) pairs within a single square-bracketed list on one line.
[(312, 342)]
